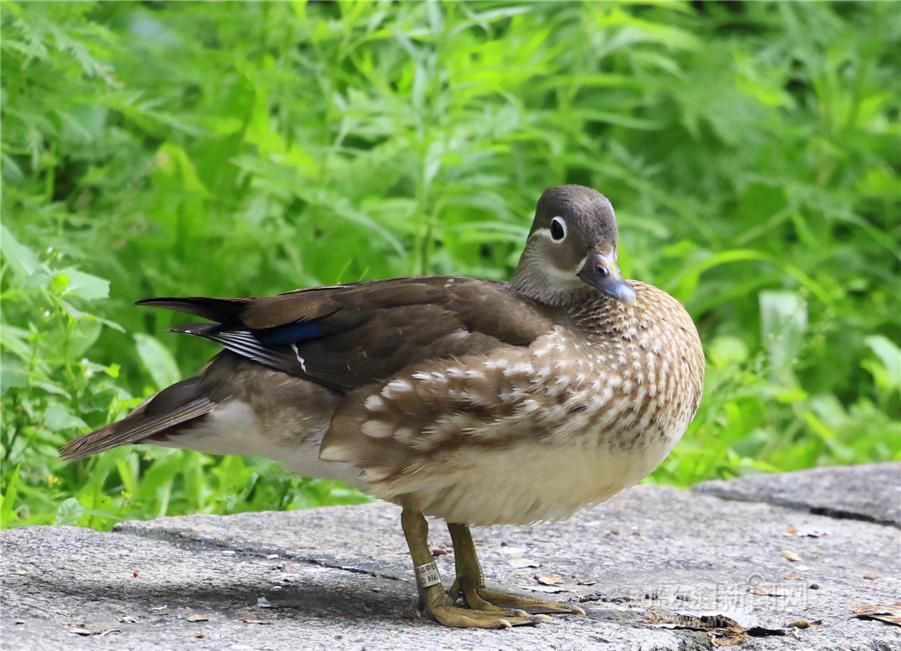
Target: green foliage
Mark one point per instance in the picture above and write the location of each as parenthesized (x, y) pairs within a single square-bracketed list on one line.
[(751, 149)]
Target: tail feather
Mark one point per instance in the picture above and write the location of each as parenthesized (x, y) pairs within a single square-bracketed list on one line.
[(220, 310), (203, 329), (176, 405)]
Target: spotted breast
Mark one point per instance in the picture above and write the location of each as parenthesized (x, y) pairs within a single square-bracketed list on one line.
[(526, 434)]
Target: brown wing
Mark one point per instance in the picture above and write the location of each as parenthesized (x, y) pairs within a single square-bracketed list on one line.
[(351, 335)]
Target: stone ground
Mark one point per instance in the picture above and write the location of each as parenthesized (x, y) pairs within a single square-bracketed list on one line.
[(786, 558)]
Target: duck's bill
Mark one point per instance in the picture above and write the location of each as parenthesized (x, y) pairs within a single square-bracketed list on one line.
[(602, 273)]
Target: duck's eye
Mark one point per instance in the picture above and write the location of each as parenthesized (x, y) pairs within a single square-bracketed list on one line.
[(558, 229)]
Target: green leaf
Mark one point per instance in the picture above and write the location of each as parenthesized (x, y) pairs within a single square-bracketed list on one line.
[(157, 360), (15, 340), (84, 335), (69, 512), (12, 374), (890, 356), (8, 515), (84, 285), (726, 351), (57, 418), (20, 258), (783, 321)]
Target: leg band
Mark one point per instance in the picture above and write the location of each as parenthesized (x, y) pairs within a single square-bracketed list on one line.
[(427, 575)]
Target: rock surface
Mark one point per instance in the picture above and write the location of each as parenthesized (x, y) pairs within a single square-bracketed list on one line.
[(870, 493), (769, 553)]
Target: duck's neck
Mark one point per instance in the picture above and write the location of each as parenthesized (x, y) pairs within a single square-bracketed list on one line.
[(536, 280), (583, 308)]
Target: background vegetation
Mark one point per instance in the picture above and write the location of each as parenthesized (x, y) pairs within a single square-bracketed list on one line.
[(752, 151)]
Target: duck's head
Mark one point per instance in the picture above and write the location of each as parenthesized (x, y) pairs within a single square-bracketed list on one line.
[(572, 243)]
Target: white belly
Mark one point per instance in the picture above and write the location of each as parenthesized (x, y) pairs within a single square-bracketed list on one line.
[(529, 483), (537, 482), (234, 428)]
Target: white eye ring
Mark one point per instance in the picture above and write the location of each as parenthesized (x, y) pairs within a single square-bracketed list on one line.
[(558, 226)]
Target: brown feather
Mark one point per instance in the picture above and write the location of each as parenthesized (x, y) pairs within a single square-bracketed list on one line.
[(174, 406), (220, 310), (366, 333)]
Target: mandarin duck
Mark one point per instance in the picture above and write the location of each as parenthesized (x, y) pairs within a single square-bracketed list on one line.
[(474, 401)]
